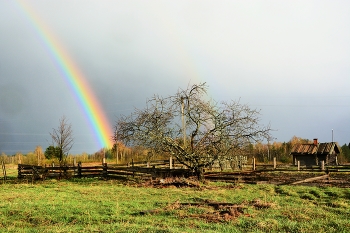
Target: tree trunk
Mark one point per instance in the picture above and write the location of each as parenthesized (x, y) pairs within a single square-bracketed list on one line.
[(199, 171)]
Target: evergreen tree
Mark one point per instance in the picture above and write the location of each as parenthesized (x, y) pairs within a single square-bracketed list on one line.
[(52, 152), (346, 152)]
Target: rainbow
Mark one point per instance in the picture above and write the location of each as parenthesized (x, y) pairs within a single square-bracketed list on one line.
[(97, 119)]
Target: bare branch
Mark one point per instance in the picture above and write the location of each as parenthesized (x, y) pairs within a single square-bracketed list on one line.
[(62, 137), (213, 130)]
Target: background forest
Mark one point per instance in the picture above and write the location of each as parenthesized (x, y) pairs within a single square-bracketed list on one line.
[(120, 154)]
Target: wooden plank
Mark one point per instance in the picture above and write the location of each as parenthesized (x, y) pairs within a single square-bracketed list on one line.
[(92, 167), (311, 179), (57, 169), (119, 173)]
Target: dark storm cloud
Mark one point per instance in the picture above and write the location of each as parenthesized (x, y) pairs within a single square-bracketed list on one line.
[(13, 100)]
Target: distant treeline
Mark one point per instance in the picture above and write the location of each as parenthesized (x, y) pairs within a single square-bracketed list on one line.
[(119, 155), (263, 152)]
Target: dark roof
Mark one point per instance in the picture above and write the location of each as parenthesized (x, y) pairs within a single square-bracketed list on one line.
[(320, 148)]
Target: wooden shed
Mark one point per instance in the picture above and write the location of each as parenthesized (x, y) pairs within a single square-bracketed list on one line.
[(313, 153)]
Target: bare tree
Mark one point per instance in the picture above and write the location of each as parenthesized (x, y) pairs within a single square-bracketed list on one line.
[(191, 127), (62, 138), (39, 154)]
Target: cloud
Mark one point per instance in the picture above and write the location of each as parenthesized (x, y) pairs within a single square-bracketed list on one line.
[(288, 58)]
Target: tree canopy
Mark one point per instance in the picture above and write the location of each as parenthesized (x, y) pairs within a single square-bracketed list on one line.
[(193, 128)]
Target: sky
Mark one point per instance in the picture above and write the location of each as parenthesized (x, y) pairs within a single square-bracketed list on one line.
[(291, 59)]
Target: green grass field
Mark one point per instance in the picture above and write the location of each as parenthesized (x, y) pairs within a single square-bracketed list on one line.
[(92, 205)]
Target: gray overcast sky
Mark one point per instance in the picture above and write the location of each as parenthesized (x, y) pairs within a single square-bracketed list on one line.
[(291, 59)]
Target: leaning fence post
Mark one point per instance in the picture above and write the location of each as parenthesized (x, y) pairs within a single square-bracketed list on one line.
[(298, 165), (274, 163), (254, 165)]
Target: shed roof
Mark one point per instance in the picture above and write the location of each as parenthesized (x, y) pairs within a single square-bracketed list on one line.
[(320, 148)]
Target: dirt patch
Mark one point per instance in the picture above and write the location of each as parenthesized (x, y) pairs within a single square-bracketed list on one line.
[(209, 210), (172, 183)]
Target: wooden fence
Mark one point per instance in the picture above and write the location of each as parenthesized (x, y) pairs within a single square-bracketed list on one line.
[(145, 170), (274, 166), (154, 169)]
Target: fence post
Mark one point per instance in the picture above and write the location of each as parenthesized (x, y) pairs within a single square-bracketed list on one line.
[(19, 171), (74, 166), (154, 173), (117, 155), (103, 161), (3, 169), (132, 162), (171, 162), (298, 162), (274, 163), (254, 165), (79, 169), (105, 171), (322, 165), (148, 164), (65, 171)]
